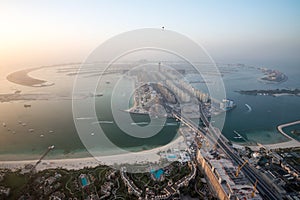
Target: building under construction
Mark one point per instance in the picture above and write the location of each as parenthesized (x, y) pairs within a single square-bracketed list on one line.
[(225, 178)]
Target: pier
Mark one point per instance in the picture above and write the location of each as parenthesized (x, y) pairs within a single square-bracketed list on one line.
[(42, 157)]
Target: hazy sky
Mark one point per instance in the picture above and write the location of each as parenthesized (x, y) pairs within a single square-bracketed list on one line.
[(54, 31)]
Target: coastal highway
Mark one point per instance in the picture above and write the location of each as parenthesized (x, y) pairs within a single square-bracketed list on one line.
[(265, 190)]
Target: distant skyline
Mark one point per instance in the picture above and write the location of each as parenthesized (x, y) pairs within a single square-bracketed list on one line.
[(48, 32)]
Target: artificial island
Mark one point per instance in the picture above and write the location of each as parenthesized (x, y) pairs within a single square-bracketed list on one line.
[(206, 166)]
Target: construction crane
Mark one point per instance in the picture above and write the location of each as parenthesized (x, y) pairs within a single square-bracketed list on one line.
[(254, 189), (239, 168)]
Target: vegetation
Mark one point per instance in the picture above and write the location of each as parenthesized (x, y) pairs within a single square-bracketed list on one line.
[(44, 184), (16, 182)]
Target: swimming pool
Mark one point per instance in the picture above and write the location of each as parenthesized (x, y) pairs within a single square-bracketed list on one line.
[(172, 156), (84, 181), (157, 174)]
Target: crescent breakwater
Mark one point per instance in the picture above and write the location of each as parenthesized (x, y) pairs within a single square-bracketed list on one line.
[(42, 98), (22, 77)]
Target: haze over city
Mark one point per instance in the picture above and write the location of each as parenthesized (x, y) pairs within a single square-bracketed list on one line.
[(149, 100), (34, 32)]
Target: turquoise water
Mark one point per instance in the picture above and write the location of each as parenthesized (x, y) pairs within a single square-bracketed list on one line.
[(289, 130), (118, 136), (157, 174), (55, 115), (54, 121), (171, 156), (267, 112), (84, 182)]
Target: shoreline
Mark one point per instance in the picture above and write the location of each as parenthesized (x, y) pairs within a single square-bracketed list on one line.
[(22, 76), (273, 92), (280, 128), (291, 143), (79, 163)]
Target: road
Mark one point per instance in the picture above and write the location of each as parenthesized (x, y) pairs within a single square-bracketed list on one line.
[(265, 190)]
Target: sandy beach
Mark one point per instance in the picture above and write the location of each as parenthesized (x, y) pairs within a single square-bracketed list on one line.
[(288, 144), (79, 163)]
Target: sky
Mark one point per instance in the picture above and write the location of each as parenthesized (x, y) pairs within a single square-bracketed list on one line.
[(34, 33)]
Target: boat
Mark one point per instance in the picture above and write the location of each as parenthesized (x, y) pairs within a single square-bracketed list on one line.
[(99, 95), (238, 135), (136, 111), (27, 105), (227, 104), (96, 94), (249, 108)]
